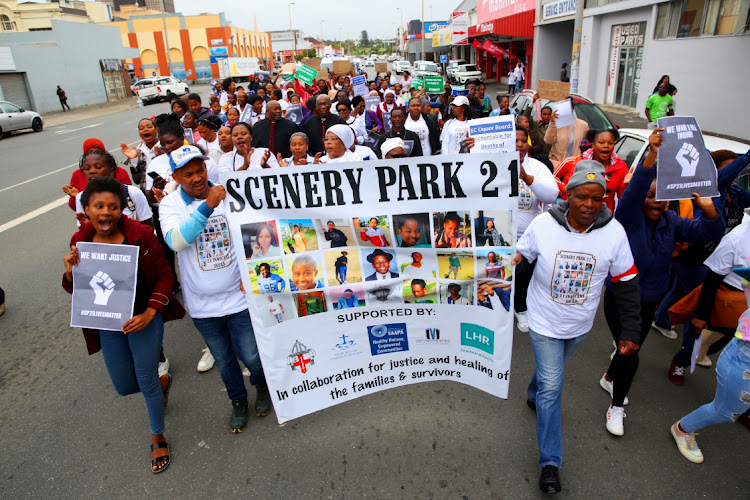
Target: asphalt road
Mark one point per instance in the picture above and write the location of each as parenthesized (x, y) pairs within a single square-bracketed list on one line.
[(67, 434)]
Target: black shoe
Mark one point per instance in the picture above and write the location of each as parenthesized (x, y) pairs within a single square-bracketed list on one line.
[(531, 404), (262, 402), (238, 420), (549, 480)]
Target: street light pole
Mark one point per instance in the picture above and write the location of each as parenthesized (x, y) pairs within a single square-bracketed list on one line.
[(424, 56), (291, 33), (401, 32), (166, 38), (576, 56)]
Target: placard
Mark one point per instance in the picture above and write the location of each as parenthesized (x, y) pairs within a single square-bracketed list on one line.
[(564, 110), (306, 74), (313, 62), (381, 67), (371, 103), (496, 134), (360, 86), (417, 83), (341, 67), (368, 305), (386, 122), (552, 90), (434, 84), (104, 283), (294, 113), (684, 166)]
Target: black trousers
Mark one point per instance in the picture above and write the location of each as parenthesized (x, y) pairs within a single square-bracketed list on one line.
[(622, 369), (522, 277)]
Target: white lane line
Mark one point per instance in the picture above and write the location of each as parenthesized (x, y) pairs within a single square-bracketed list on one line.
[(35, 213), (73, 138), (66, 131), (56, 171)]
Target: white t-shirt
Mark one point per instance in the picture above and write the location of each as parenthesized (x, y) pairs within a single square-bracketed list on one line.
[(564, 308), (209, 272), (531, 199), (733, 251), (364, 153), (461, 300), (161, 166), (136, 196), (231, 161), (274, 308), (419, 127), (453, 136), (347, 156)]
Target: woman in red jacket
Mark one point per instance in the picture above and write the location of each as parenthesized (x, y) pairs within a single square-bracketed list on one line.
[(602, 151), (131, 355)]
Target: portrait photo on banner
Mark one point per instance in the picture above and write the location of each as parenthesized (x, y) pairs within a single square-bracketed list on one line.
[(381, 293), (457, 292), (494, 263), (347, 297), (379, 264), (335, 233), (373, 230), (298, 235), (421, 263), (342, 266), (305, 272), (457, 264), (260, 239), (494, 294), (309, 303), (275, 309), (452, 229), (266, 276), (419, 291), (493, 228), (412, 230)]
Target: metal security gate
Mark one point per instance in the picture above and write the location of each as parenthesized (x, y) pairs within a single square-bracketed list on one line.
[(14, 89)]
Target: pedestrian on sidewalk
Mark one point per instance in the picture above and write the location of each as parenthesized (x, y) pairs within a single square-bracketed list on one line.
[(63, 98)]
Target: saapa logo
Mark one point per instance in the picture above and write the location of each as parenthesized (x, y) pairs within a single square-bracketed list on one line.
[(300, 357), (389, 338), (478, 337)]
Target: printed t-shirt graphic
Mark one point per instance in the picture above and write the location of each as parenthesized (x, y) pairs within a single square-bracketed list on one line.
[(273, 284), (214, 245), (525, 196), (570, 279)]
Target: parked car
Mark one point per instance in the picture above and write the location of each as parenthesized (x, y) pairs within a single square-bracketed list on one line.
[(583, 108), (451, 66), (426, 68), (369, 63), (465, 74), (163, 89), (632, 146), (13, 118), (401, 66), (140, 83)]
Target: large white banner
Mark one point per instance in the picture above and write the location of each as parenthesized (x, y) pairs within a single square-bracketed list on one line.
[(370, 275)]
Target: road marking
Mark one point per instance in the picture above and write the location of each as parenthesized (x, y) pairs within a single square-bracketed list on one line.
[(55, 171), (36, 213), (58, 132), (73, 138)]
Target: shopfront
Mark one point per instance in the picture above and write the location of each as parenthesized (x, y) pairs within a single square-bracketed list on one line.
[(626, 62)]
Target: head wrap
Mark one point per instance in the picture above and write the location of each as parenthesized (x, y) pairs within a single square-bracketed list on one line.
[(391, 144), (344, 133), (93, 143)]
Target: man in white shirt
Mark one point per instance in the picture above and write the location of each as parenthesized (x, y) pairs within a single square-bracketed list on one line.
[(193, 221), (579, 234)]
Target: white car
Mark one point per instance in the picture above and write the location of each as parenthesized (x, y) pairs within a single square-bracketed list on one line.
[(451, 67), (426, 68), (13, 118), (467, 73), (369, 63), (163, 88), (632, 145), (401, 66)]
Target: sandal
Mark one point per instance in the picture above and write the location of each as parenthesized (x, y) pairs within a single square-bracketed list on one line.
[(166, 383), (160, 463)]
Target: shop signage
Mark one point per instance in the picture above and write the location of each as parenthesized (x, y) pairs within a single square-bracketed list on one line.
[(559, 8), (489, 10), (460, 28)]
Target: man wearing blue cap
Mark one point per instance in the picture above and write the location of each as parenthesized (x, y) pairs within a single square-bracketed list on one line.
[(195, 226)]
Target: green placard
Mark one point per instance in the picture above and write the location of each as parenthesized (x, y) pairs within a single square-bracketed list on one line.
[(288, 78), (417, 83), (434, 84), (306, 74)]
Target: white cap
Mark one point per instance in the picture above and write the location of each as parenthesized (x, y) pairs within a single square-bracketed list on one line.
[(180, 157), (460, 100)]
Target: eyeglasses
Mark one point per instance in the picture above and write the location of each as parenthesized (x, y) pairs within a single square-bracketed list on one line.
[(341, 110)]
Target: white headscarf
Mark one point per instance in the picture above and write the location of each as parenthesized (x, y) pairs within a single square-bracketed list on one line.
[(344, 133), (391, 144)]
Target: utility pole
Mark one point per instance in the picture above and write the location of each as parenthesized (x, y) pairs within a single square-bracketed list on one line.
[(424, 56), (291, 33), (166, 38), (576, 56), (401, 32)]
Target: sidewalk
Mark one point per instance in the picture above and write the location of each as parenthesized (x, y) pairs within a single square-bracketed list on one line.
[(55, 118)]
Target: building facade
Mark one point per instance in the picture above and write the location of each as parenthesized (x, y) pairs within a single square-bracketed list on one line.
[(33, 63), (193, 45), (286, 44), (29, 16)]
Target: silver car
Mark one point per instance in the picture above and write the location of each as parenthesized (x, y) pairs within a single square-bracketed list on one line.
[(14, 118)]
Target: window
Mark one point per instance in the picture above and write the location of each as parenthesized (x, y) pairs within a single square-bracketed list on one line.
[(8, 25), (692, 18), (628, 148), (469, 67), (593, 116), (662, 21), (733, 17), (10, 108)]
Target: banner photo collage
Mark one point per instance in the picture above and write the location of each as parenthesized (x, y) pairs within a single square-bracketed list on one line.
[(352, 274)]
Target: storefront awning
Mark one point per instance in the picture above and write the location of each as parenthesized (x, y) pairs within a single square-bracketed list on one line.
[(518, 25)]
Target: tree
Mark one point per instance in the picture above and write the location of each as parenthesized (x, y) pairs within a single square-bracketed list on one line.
[(364, 40)]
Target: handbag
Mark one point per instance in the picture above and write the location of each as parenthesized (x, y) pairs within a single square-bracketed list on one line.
[(726, 311)]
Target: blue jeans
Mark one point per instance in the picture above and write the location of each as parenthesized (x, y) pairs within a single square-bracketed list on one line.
[(342, 273), (685, 277), (519, 83), (229, 338), (545, 389), (732, 389), (132, 361)]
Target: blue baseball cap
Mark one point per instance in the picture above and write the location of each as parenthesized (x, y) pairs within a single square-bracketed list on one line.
[(180, 157)]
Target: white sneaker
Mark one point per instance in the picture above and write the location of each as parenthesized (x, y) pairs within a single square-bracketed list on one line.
[(686, 444), (245, 371), (164, 367), (615, 420), (522, 322), (207, 361), (609, 387), (670, 334), (705, 362)]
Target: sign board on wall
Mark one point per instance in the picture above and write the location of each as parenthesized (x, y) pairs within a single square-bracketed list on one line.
[(217, 41), (460, 28), (558, 8), (489, 10)]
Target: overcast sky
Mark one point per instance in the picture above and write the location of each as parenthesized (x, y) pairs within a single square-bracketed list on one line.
[(350, 16)]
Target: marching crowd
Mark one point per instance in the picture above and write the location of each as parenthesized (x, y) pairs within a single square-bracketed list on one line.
[(589, 227)]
